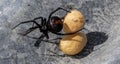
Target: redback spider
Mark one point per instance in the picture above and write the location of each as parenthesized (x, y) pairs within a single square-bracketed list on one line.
[(53, 24)]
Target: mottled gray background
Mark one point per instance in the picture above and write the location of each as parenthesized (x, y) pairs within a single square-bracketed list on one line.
[(102, 22)]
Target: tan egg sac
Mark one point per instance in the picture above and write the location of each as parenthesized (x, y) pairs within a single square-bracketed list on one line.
[(73, 44), (73, 21)]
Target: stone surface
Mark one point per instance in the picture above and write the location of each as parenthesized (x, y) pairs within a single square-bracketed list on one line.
[(102, 22)]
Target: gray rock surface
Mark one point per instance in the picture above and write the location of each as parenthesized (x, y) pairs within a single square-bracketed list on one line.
[(102, 22)]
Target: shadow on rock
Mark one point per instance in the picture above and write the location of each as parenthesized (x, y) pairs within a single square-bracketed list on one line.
[(94, 38)]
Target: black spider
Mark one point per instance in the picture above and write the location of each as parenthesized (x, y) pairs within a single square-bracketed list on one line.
[(53, 24)]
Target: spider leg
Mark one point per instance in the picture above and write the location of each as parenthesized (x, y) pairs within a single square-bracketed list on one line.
[(55, 54), (33, 24), (27, 22), (57, 33), (37, 19), (52, 52), (59, 8), (29, 30), (43, 40), (39, 40), (48, 41)]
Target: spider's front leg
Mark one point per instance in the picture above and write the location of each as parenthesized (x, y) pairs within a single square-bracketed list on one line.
[(30, 21), (59, 8), (32, 28), (41, 18)]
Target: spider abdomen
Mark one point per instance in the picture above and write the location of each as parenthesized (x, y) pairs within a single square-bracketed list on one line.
[(55, 24)]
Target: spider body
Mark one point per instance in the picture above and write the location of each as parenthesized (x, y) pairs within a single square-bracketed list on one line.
[(53, 24)]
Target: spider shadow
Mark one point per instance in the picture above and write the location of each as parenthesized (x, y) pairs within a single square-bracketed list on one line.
[(94, 38)]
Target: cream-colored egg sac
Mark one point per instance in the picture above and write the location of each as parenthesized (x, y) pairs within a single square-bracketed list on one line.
[(73, 44), (73, 21)]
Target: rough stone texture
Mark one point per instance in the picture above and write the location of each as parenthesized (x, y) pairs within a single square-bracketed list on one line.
[(102, 22)]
